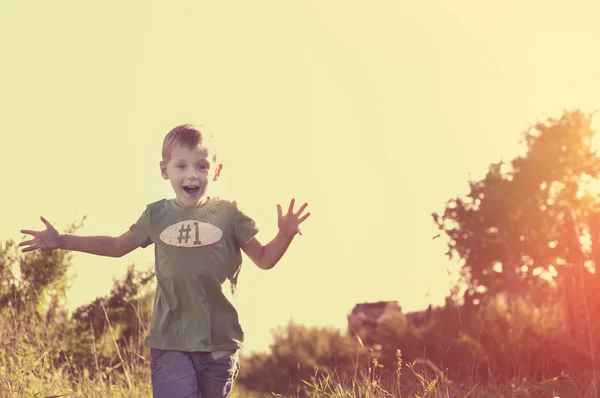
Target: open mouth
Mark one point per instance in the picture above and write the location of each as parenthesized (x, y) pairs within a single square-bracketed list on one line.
[(191, 189)]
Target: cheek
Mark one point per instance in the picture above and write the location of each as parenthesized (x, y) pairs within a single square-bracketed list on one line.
[(176, 178)]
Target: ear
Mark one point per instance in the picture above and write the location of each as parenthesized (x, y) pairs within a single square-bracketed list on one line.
[(218, 171), (163, 170)]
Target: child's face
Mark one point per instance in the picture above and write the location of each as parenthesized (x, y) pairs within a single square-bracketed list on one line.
[(190, 171)]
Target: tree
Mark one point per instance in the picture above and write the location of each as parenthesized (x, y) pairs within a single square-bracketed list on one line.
[(522, 223), (117, 321), (41, 283)]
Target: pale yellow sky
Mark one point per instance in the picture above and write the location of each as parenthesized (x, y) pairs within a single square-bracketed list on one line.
[(373, 112)]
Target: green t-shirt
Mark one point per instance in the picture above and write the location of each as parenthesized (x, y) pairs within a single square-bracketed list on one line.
[(196, 251)]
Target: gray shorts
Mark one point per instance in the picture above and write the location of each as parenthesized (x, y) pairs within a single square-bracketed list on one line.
[(178, 374)]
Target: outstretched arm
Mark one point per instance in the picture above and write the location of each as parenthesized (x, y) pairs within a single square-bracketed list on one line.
[(49, 239), (267, 256)]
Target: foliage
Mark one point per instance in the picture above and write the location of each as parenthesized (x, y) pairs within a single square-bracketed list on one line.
[(113, 325), (296, 353), (515, 227)]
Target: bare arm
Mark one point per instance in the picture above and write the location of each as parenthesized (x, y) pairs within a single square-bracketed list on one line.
[(267, 256), (100, 245), (50, 239)]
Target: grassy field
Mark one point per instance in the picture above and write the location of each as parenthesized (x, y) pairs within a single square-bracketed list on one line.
[(98, 350), (32, 348), (56, 384), (30, 376)]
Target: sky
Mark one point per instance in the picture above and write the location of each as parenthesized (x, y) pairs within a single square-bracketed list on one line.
[(375, 113)]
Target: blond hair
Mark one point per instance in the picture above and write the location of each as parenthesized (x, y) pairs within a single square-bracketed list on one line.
[(188, 135)]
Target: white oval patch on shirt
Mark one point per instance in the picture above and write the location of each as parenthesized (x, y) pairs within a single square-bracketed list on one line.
[(191, 233)]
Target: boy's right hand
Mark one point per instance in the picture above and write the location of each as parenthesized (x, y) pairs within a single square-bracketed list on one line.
[(46, 240)]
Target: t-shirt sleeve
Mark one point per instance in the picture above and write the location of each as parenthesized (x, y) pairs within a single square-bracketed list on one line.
[(141, 229), (244, 227)]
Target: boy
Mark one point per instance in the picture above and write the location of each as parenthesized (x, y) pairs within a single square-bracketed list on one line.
[(194, 334)]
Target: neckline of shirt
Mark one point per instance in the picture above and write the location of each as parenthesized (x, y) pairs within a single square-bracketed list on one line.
[(210, 204)]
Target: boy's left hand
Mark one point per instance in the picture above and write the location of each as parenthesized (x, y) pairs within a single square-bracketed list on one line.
[(289, 224)]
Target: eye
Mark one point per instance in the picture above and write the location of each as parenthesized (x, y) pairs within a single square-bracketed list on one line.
[(181, 166)]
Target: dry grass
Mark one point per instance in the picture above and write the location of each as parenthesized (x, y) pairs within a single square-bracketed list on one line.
[(28, 372), (31, 348), (41, 358)]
